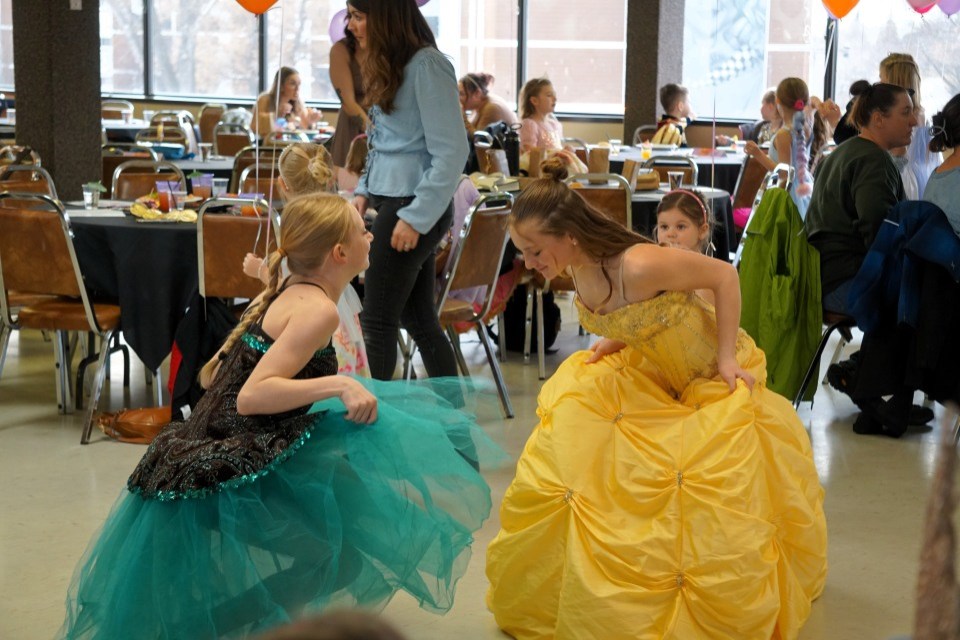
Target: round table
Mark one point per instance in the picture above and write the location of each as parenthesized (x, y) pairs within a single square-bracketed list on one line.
[(645, 205), (150, 269)]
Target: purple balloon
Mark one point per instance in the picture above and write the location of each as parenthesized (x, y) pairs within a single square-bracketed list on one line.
[(420, 3), (949, 7), (338, 26)]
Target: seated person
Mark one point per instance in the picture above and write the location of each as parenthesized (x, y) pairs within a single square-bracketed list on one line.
[(763, 130), (287, 106), (943, 188), (486, 107), (675, 100), (540, 129), (845, 129)]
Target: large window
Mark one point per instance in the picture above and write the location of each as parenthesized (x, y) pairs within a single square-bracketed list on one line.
[(732, 57), (931, 40), (305, 26), (121, 46), (6, 45)]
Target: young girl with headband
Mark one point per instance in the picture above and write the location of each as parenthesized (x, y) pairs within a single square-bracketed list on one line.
[(666, 490), (684, 222)]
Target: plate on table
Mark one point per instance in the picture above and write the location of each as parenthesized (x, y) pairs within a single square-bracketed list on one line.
[(662, 147)]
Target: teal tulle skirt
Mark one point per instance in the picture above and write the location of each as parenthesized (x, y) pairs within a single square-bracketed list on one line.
[(347, 516)]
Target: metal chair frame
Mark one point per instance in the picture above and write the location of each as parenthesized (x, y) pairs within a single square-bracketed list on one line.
[(158, 167), (682, 162), (772, 179), (36, 172)]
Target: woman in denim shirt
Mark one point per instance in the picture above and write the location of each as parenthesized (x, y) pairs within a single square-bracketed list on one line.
[(418, 147)]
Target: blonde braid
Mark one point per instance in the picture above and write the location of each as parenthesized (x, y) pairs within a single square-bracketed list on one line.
[(253, 313)]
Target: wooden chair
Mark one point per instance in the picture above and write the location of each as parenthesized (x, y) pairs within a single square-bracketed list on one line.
[(751, 176), (475, 262), (230, 139), (37, 257), (27, 179), (15, 154), (579, 147), (251, 155), (701, 134), (136, 178), (222, 242), (644, 133), (665, 164), (116, 109), (113, 155), (267, 182), (210, 115)]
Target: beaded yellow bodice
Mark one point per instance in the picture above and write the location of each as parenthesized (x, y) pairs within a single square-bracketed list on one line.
[(676, 331)]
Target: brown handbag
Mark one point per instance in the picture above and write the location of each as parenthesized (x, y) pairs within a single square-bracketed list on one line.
[(136, 426)]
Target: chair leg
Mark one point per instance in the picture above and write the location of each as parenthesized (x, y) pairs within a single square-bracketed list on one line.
[(158, 386), (5, 332), (61, 348), (457, 351), (841, 345), (501, 338), (497, 374), (814, 364), (528, 324), (408, 349), (540, 346), (99, 379), (92, 356)]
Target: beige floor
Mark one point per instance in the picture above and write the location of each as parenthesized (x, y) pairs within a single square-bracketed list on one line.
[(54, 493)]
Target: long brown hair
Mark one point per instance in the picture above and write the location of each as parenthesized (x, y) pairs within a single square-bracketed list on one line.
[(790, 93), (279, 80), (529, 91), (313, 225), (396, 30), (558, 210)]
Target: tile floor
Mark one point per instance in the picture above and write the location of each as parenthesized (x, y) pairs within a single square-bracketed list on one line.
[(55, 493)]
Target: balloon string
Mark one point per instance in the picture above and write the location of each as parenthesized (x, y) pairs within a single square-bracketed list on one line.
[(713, 154), (273, 155)]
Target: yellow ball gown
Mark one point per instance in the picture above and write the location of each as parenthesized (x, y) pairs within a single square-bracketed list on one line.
[(651, 502)]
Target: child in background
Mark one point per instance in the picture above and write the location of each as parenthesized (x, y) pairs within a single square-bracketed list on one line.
[(798, 142), (540, 129), (305, 168), (684, 222), (675, 100), (356, 161)]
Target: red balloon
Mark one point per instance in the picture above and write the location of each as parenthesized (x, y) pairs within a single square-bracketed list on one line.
[(922, 6), (256, 7), (839, 8)]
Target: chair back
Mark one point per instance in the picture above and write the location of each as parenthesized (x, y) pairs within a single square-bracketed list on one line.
[(27, 179), (18, 155), (266, 182), (703, 134), (665, 164), (579, 147), (251, 155), (644, 133), (172, 126), (773, 178), (752, 175), (113, 155), (230, 139), (614, 201), (222, 242), (135, 178), (237, 115), (475, 261), (37, 255), (210, 115)]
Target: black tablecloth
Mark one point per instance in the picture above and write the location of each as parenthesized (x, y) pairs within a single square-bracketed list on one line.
[(724, 237), (149, 268)]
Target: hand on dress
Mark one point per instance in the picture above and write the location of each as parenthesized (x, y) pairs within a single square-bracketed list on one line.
[(361, 404), (405, 237), (730, 370), (604, 347)]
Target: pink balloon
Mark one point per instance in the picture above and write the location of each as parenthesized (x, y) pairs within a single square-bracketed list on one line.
[(338, 25), (922, 6), (949, 7)]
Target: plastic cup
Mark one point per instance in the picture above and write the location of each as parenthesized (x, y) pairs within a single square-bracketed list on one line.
[(206, 148), (220, 186), (91, 197), (179, 194), (615, 146), (163, 195), (676, 179), (203, 186), (646, 152)]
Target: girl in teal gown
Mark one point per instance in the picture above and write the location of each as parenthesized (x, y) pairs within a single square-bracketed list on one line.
[(289, 488)]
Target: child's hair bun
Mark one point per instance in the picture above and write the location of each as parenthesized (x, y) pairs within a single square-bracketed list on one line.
[(554, 167)]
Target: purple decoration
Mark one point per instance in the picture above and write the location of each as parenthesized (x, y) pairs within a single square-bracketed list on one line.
[(949, 7), (420, 3), (338, 26)]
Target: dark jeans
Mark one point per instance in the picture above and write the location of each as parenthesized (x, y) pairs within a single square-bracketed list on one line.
[(399, 289), (837, 300)]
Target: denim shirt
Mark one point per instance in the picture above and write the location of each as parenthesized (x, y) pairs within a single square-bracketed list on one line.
[(420, 149)]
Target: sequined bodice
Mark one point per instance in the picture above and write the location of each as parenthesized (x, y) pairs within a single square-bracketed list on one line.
[(217, 444), (676, 331)]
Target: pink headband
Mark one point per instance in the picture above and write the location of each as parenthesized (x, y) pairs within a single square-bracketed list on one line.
[(696, 199)]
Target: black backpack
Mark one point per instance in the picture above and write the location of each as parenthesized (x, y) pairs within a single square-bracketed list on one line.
[(514, 321)]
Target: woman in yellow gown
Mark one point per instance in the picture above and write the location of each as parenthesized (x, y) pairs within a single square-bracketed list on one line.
[(666, 493)]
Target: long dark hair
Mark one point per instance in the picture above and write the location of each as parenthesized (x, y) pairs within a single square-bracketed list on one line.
[(278, 81), (559, 211), (396, 30)]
